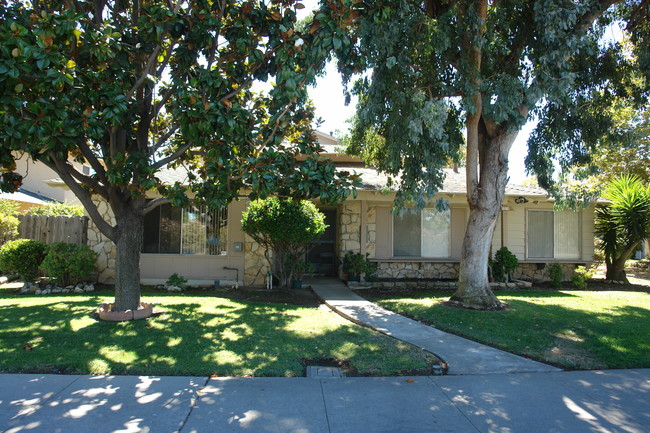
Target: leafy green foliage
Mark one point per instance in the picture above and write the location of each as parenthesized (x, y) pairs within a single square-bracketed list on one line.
[(624, 223), (580, 277), (176, 280), (57, 209), (8, 206), (434, 65), (23, 257), (556, 274), (285, 227), (357, 264), (69, 263), (503, 264), (8, 222), (8, 227)]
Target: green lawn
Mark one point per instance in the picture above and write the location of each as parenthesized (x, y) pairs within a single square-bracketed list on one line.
[(573, 329), (193, 335)]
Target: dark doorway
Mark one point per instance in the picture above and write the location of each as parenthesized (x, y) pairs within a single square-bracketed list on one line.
[(323, 253)]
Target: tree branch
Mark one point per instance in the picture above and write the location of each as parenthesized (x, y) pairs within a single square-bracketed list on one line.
[(155, 203), (92, 160), (177, 154), (153, 57), (61, 168)]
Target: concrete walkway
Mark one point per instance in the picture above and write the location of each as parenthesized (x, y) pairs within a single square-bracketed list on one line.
[(461, 355), (615, 401)]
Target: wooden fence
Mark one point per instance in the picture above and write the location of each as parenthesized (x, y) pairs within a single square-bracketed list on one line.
[(51, 229)]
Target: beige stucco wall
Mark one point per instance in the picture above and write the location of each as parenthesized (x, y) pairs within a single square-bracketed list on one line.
[(158, 267), (364, 225), (371, 216), (36, 174)]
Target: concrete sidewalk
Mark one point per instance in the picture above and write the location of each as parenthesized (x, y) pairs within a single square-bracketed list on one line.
[(587, 401), (462, 356)]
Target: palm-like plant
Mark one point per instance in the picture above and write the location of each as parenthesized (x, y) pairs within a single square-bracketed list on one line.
[(624, 223)]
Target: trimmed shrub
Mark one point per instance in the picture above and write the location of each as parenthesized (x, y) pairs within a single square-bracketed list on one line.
[(287, 228), (22, 257), (70, 263), (580, 277), (556, 274), (176, 280), (504, 264)]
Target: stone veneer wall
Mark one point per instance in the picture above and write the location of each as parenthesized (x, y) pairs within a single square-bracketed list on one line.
[(104, 247), (371, 232), (417, 270), (427, 270), (256, 266), (535, 272), (350, 228)]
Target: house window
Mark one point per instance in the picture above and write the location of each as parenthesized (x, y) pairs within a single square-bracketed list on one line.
[(553, 235), (422, 234), (197, 230)]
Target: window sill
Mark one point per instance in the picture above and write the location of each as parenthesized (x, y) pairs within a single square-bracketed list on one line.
[(415, 260), (555, 261)]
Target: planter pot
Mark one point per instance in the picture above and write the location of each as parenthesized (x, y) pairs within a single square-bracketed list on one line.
[(296, 284), (105, 313), (354, 278)]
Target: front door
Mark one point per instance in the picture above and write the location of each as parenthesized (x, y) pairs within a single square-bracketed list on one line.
[(323, 254)]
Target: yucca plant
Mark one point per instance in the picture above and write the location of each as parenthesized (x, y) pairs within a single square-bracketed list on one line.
[(624, 223)]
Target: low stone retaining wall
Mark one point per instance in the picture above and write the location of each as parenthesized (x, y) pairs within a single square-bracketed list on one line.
[(446, 271), (432, 284)]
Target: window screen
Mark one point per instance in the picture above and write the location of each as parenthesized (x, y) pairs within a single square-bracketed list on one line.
[(540, 234), (421, 234), (197, 230)]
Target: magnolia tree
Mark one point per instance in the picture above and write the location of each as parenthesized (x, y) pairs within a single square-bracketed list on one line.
[(131, 88), (438, 71)]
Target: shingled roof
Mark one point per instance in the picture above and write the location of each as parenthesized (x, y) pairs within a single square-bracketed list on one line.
[(373, 180), (455, 183)]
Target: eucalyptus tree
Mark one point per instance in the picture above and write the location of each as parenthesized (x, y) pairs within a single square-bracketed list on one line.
[(440, 72), (133, 87)]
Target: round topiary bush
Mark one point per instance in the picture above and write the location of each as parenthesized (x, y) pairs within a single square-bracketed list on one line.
[(22, 257), (70, 263), (287, 228)]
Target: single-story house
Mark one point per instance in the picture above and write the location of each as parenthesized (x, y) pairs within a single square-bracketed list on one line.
[(205, 245)]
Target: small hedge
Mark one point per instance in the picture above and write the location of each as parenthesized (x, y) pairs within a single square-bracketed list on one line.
[(70, 263), (22, 257)]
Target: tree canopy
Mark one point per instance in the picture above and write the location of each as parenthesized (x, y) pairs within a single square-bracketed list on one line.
[(132, 88)]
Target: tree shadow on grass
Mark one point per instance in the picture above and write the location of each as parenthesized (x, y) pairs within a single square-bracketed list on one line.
[(187, 338)]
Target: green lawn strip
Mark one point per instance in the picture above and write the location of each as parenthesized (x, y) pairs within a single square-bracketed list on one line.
[(573, 329), (193, 335)]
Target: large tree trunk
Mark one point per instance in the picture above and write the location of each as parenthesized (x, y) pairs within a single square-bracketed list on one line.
[(616, 271), (485, 199), (616, 265), (130, 229)]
